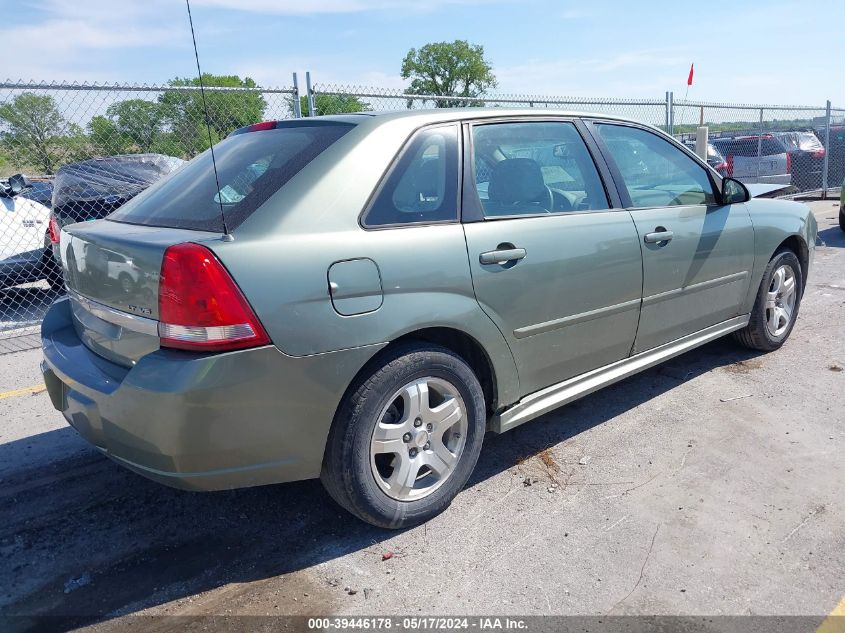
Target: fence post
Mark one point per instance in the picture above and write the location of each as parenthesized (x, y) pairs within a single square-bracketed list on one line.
[(825, 182), (670, 113), (760, 145), (701, 135), (297, 106), (310, 94)]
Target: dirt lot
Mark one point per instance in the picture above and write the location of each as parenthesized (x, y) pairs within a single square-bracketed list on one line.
[(711, 485)]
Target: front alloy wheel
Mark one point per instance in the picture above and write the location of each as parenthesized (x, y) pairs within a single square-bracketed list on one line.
[(776, 304), (780, 300)]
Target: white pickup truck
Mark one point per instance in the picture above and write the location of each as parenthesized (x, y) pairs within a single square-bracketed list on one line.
[(23, 229)]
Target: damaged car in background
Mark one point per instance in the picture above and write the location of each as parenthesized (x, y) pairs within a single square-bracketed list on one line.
[(92, 189)]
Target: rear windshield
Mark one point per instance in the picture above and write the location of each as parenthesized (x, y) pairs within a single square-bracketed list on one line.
[(251, 167)]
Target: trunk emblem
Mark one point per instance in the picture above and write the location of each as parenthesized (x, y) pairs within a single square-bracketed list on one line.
[(140, 309)]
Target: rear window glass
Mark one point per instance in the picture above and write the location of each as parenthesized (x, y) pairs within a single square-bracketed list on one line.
[(251, 167), (423, 186)]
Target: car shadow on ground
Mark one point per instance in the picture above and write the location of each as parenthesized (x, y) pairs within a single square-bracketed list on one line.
[(833, 237), (87, 540)]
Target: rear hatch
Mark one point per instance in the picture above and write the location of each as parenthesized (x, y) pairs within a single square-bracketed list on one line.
[(112, 274), (754, 159), (113, 267)]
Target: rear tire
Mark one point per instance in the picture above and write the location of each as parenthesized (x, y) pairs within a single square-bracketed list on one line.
[(406, 437), (776, 306), (842, 218)]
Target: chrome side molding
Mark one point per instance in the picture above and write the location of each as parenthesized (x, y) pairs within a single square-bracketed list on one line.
[(108, 314), (554, 396)]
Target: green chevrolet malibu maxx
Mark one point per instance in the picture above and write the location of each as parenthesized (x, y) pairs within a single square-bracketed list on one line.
[(361, 298)]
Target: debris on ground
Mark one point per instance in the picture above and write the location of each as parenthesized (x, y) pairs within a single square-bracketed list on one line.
[(77, 583), (748, 395), (835, 368), (584, 460), (387, 556)]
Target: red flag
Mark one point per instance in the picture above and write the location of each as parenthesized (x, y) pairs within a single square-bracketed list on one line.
[(689, 79)]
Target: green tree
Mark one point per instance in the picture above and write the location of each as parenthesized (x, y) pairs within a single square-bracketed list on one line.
[(183, 112), (333, 104), (448, 69), (35, 127), (138, 120), (105, 138)]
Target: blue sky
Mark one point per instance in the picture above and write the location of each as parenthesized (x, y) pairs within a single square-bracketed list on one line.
[(744, 52)]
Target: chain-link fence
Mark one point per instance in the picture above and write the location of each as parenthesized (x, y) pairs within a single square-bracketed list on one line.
[(87, 149)]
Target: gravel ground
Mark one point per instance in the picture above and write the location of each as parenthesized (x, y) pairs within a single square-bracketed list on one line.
[(710, 485)]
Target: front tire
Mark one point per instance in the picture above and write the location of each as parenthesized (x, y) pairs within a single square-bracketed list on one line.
[(406, 438), (776, 306), (842, 218)]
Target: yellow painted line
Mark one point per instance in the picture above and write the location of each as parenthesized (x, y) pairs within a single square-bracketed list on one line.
[(835, 622), (23, 391)]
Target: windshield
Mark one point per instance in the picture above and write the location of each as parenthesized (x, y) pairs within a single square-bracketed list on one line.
[(251, 167)]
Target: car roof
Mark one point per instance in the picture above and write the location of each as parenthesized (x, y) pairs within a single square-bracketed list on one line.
[(435, 115)]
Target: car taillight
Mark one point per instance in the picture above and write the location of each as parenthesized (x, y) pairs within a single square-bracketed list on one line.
[(722, 168), (729, 165), (789, 163), (55, 233), (817, 153), (200, 306)]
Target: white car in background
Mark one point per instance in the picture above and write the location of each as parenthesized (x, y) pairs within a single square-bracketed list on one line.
[(755, 159), (24, 227)]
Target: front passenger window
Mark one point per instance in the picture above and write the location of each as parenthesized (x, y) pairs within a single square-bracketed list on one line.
[(655, 172)]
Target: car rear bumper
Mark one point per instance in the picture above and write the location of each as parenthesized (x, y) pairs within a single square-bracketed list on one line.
[(777, 179), (199, 421)]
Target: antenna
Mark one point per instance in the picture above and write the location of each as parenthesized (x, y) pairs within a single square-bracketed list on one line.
[(207, 119)]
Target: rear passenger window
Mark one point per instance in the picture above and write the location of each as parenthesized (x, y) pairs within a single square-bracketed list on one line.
[(423, 186)]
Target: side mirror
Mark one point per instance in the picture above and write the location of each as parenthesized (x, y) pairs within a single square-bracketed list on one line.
[(734, 192), (17, 183)]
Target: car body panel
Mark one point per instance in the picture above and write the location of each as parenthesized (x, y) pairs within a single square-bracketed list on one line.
[(424, 275), (118, 266), (775, 222), (199, 421), (572, 304), (697, 279)]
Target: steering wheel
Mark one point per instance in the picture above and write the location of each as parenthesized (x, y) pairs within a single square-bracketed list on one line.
[(550, 198)]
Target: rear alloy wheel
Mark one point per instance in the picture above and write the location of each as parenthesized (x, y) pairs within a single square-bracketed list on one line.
[(418, 439), (406, 438), (776, 306)]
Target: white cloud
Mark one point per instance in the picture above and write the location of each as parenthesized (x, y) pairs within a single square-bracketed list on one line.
[(591, 77), (73, 38), (306, 7)]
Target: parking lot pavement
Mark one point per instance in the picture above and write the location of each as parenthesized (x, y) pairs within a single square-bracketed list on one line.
[(710, 485)]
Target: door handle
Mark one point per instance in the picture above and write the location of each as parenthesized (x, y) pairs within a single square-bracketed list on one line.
[(659, 235), (502, 256)]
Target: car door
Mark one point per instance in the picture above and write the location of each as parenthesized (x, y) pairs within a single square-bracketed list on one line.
[(554, 263), (697, 253)]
